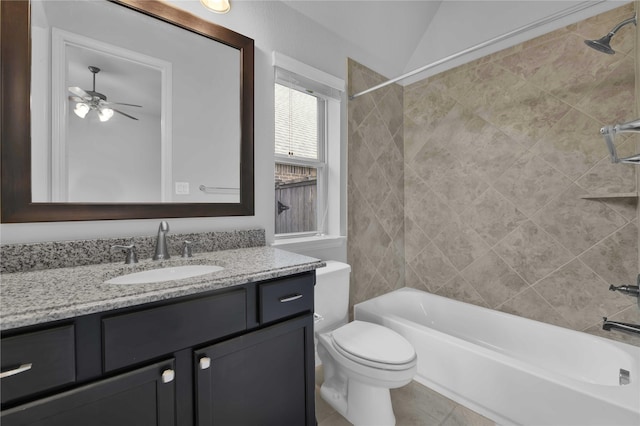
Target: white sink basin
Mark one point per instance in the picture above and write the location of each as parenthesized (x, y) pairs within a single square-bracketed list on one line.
[(164, 274)]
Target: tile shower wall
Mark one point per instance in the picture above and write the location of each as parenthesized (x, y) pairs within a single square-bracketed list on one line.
[(499, 155), (376, 233)]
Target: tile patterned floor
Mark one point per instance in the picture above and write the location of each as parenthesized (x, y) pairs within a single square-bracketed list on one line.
[(413, 405)]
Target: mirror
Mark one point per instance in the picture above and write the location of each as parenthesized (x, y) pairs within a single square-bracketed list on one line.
[(178, 139)]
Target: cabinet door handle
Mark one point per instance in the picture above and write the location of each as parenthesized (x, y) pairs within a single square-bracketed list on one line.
[(168, 376), (205, 362), (21, 369), (290, 298)]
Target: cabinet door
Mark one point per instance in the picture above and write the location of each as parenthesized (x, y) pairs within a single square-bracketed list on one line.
[(137, 398), (260, 379)]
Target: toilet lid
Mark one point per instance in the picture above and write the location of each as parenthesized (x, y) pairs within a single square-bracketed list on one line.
[(373, 342)]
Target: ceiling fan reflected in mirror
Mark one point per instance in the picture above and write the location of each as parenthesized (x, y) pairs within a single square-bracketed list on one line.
[(89, 100)]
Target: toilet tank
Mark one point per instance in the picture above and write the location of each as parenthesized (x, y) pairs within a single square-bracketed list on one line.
[(331, 295)]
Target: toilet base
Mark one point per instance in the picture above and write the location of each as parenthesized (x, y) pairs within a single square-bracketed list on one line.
[(368, 405)]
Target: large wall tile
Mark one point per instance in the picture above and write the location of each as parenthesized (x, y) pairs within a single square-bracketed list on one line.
[(616, 257), (531, 252), (492, 216), (580, 295), (576, 223), (493, 279), (530, 304), (531, 183)]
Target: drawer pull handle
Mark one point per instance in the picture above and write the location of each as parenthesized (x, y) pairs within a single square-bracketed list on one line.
[(205, 362), (290, 298), (21, 369), (168, 376)]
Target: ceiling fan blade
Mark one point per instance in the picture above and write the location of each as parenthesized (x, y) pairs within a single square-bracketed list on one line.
[(79, 92), (77, 99), (120, 103), (126, 115)]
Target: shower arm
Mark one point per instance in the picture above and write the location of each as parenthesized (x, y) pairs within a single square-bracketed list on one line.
[(609, 133), (632, 20)]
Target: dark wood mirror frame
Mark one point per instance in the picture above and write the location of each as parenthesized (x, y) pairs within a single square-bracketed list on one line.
[(15, 125)]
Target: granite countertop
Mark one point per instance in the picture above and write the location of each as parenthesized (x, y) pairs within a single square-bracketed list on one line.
[(37, 297)]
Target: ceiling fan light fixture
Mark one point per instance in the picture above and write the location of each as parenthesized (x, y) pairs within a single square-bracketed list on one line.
[(217, 6), (81, 109), (104, 114)]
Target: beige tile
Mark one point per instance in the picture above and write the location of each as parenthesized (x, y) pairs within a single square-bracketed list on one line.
[(573, 146), (530, 304), (427, 210), (531, 183), (607, 177), (375, 134), (426, 104), (415, 404), (374, 185), (390, 109), (531, 252), (492, 216), (612, 99), (390, 213), (580, 296), (519, 109), (564, 67), (360, 158), (577, 223), (433, 161), (432, 267), (459, 187), (460, 244), (415, 240), (492, 278), (630, 315), (462, 416), (391, 268), (334, 419), (490, 152), (459, 289), (391, 162), (616, 257)]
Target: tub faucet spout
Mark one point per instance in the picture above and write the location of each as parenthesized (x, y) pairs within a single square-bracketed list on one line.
[(622, 326), (161, 252)]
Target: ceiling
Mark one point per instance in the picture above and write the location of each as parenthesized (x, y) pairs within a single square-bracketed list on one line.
[(386, 29), (410, 34)]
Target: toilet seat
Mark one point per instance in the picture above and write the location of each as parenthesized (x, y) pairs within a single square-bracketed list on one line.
[(374, 345)]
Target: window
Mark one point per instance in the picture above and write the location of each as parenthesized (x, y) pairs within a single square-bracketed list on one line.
[(299, 169), (307, 127)]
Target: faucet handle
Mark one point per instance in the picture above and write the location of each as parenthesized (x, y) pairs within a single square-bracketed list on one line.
[(132, 255), (186, 249)]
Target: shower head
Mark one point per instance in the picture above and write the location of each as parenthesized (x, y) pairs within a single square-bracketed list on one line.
[(603, 44)]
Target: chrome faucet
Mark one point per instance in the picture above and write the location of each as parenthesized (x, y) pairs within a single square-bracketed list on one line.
[(623, 326), (161, 242)]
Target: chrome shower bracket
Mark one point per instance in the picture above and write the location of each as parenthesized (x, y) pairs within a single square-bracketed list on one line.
[(609, 134)]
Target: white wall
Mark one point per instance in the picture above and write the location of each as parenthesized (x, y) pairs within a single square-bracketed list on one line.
[(273, 26)]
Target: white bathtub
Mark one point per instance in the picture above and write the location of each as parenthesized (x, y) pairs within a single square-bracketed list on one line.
[(512, 369)]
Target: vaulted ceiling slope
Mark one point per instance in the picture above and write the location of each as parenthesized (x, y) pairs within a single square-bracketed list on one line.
[(406, 35)]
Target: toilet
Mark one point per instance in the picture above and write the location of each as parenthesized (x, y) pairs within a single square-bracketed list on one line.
[(362, 361)]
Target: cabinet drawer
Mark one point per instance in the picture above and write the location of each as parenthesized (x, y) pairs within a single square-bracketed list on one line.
[(47, 358), (150, 333), (286, 297)]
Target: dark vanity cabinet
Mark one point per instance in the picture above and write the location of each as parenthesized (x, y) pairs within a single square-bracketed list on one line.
[(239, 356)]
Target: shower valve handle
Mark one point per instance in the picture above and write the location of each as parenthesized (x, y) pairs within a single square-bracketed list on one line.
[(630, 290)]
